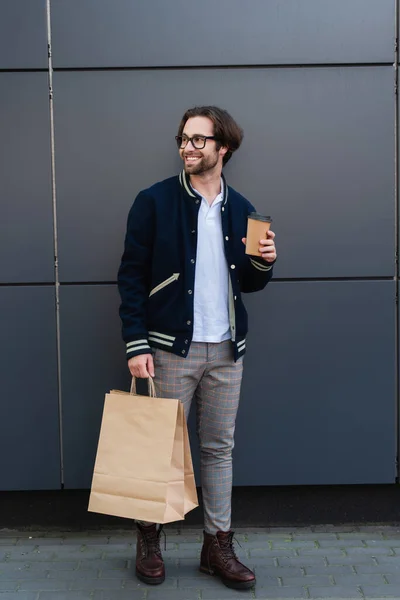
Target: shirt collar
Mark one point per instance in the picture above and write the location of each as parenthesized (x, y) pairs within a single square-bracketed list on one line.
[(217, 200), (184, 180)]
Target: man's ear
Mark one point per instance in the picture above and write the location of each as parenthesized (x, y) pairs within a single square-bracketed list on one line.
[(223, 150)]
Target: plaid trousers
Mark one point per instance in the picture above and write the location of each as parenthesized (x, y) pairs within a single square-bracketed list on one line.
[(210, 376)]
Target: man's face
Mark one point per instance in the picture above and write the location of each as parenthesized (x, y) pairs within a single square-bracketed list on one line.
[(197, 162)]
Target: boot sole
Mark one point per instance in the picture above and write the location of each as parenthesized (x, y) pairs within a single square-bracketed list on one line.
[(233, 585), (150, 580)]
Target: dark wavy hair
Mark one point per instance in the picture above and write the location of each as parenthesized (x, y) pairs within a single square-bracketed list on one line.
[(227, 132)]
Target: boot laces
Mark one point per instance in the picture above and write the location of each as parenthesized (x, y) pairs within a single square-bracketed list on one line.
[(227, 548), (151, 542)]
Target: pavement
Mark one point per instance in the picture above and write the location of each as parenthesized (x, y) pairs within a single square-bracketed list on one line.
[(292, 562)]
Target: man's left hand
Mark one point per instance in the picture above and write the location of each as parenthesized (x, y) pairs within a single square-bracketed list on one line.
[(267, 247)]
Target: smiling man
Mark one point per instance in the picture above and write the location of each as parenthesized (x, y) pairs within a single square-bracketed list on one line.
[(184, 323)]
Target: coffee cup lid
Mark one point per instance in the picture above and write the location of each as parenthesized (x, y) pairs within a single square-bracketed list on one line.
[(258, 217)]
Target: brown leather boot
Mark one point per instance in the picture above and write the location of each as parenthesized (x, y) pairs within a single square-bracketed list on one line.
[(218, 558), (149, 562)]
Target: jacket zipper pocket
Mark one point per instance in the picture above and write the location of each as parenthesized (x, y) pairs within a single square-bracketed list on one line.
[(163, 284)]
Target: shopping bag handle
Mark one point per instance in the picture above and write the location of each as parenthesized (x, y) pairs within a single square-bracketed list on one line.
[(150, 384)]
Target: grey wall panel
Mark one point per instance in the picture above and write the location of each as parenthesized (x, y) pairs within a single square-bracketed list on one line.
[(93, 362), (318, 156), (29, 424), (227, 32), (318, 396), (23, 34), (26, 224)]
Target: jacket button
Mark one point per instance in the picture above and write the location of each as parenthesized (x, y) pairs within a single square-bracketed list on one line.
[(193, 231), (192, 261), (232, 266), (188, 322), (186, 341), (222, 209), (190, 292), (235, 297), (227, 237), (197, 201), (183, 351)]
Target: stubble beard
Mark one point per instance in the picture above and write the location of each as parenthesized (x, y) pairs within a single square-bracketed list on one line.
[(204, 165)]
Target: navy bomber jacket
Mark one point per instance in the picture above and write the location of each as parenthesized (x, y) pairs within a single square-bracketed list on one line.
[(156, 276)]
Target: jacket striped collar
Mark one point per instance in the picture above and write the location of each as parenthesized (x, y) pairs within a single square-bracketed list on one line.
[(184, 180)]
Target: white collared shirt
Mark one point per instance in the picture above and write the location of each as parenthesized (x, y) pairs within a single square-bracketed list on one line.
[(211, 312)]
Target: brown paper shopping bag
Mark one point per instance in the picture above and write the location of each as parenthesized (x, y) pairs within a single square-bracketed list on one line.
[(143, 466)]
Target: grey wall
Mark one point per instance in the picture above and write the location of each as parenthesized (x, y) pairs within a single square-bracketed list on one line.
[(312, 84)]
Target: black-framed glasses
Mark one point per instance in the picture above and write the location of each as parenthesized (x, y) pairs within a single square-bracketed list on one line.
[(198, 141)]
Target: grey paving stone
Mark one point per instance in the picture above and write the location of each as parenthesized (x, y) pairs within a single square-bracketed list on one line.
[(359, 559), (23, 575), (280, 594), (8, 586), (28, 554), (331, 570), (221, 592), (72, 575), (82, 552), (43, 584), (107, 563), (20, 596), (383, 569), (359, 543), (59, 565), (133, 583), (262, 561), (319, 580), (181, 594), (303, 561), (387, 560), (360, 579), (280, 571), (96, 584), (384, 591), (270, 553), (39, 541), (320, 551), (369, 551), (111, 573), (122, 595), (62, 596), (393, 578), (335, 592)]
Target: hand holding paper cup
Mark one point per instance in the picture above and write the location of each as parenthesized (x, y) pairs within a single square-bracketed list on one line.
[(257, 228)]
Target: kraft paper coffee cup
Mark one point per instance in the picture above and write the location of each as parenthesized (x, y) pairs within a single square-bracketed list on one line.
[(257, 227)]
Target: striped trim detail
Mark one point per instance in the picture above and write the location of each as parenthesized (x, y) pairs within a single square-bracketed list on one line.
[(225, 190), (162, 335), (184, 183), (161, 338), (259, 266), (137, 345), (146, 347), (160, 341), (241, 344)]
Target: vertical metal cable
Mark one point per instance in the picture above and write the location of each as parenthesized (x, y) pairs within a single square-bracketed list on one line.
[(55, 234), (396, 217)]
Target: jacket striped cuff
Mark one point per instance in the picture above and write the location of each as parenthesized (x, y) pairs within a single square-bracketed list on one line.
[(261, 266), (137, 347)]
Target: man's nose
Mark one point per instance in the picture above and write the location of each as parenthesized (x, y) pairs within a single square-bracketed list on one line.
[(189, 146)]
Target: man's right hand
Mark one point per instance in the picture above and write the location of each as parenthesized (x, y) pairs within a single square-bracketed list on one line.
[(141, 366)]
